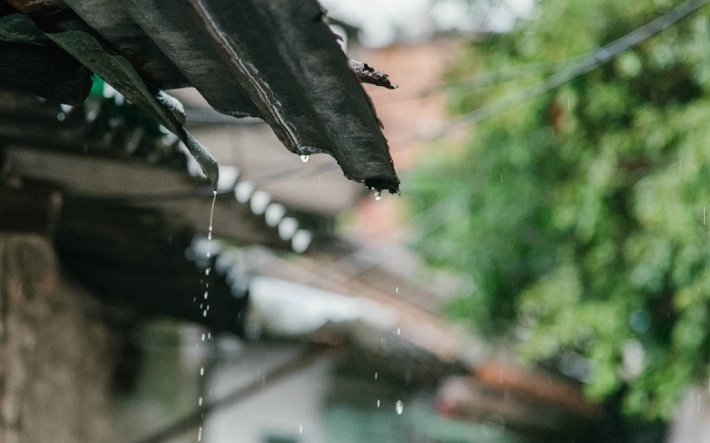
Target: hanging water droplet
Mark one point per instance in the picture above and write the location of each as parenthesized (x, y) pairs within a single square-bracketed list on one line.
[(214, 200), (378, 194), (399, 407), (304, 158)]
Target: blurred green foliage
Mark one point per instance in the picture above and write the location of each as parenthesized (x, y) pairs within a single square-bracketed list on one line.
[(581, 215)]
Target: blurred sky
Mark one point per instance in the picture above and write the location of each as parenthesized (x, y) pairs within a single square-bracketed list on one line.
[(382, 22)]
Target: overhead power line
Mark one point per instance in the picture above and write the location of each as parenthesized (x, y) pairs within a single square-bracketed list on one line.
[(491, 78), (588, 63)]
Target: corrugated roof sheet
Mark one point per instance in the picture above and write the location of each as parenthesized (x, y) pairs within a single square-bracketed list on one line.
[(276, 59)]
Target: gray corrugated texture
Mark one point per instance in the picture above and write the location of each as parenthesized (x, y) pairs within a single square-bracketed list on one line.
[(273, 58)]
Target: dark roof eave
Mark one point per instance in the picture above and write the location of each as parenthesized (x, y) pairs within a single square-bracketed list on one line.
[(272, 58)]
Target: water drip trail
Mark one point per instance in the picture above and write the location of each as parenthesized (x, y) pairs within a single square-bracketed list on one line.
[(205, 305), (214, 200), (209, 266)]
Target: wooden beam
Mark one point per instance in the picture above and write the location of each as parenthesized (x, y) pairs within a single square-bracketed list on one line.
[(133, 182)]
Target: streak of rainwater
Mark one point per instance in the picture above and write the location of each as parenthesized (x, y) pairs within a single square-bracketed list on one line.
[(205, 306)]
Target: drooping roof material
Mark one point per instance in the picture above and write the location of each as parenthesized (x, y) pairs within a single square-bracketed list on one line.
[(273, 59)]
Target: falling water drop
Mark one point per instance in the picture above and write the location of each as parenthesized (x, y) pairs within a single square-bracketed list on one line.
[(378, 403), (206, 295), (203, 336), (399, 331), (199, 402), (304, 158), (396, 290), (378, 194), (204, 313), (199, 434), (202, 371), (207, 271), (375, 375), (399, 407), (300, 429), (214, 200)]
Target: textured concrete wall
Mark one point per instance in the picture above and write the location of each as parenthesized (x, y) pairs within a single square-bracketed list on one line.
[(56, 352)]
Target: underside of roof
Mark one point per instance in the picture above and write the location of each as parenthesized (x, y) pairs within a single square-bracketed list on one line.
[(273, 59)]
